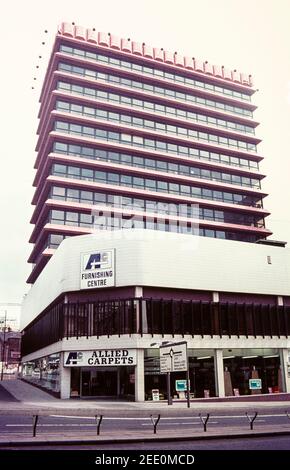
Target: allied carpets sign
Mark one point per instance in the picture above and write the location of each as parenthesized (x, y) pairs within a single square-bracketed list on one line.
[(97, 269), (100, 358)]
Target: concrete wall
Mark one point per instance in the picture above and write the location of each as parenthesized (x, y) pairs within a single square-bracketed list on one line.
[(165, 260)]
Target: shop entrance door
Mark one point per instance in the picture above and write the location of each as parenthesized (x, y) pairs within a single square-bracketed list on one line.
[(85, 383), (99, 382)]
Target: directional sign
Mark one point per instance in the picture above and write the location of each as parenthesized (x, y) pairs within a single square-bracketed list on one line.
[(255, 384), (173, 357)]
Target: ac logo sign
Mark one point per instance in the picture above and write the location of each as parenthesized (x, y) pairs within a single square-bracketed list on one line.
[(97, 269), (74, 358)]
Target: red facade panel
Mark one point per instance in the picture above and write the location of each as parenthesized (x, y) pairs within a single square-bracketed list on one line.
[(68, 29), (168, 57), (158, 54), (208, 68), (217, 70), (137, 48), (92, 36), (103, 39), (148, 51), (188, 63), (115, 42), (126, 45), (179, 60), (198, 65), (227, 74), (80, 33)]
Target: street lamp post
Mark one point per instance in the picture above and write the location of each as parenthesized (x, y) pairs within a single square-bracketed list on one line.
[(3, 346)]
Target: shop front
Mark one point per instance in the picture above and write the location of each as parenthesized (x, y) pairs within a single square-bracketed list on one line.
[(243, 368), (102, 373), (201, 375)]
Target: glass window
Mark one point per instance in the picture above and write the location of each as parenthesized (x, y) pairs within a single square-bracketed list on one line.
[(62, 106), (161, 166), (75, 129), (113, 178), (89, 131), (150, 184), (126, 180), (75, 108), (88, 152), (89, 111), (72, 216), (173, 188), (162, 186), (58, 193), (209, 233), (74, 171), (126, 137), (57, 215), (150, 163), (60, 147), (63, 126), (138, 140), (139, 182), (87, 196), (126, 159), (101, 134), (100, 176), (100, 197), (59, 169), (72, 194), (87, 174), (138, 161), (86, 219)]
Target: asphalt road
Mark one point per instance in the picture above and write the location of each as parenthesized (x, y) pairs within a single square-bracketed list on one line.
[(10, 424)]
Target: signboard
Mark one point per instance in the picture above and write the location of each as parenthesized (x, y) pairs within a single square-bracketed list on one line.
[(155, 394), (97, 269), (255, 384), (100, 358), (14, 355), (181, 385), (173, 357)]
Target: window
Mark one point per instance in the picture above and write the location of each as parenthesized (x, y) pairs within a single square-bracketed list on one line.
[(126, 180), (56, 215), (60, 148), (86, 219), (59, 169), (74, 171), (58, 193), (72, 194)]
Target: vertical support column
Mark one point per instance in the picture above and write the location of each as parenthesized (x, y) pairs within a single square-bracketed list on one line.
[(280, 301), (215, 297), (139, 376), (285, 363), (65, 378), (219, 373), (138, 293), (118, 382)]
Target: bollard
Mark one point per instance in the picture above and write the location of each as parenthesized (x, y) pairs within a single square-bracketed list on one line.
[(251, 420), (99, 420), (204, 420), (155, 422), (34, 421)]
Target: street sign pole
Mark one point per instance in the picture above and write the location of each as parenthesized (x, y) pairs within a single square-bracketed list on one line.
[(187, 380), (169, 397), (3, 347)]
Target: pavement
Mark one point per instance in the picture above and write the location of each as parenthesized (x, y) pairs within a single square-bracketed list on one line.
[(22, 399)]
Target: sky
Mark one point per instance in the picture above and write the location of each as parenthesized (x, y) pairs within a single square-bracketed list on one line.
[(252, 36)]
